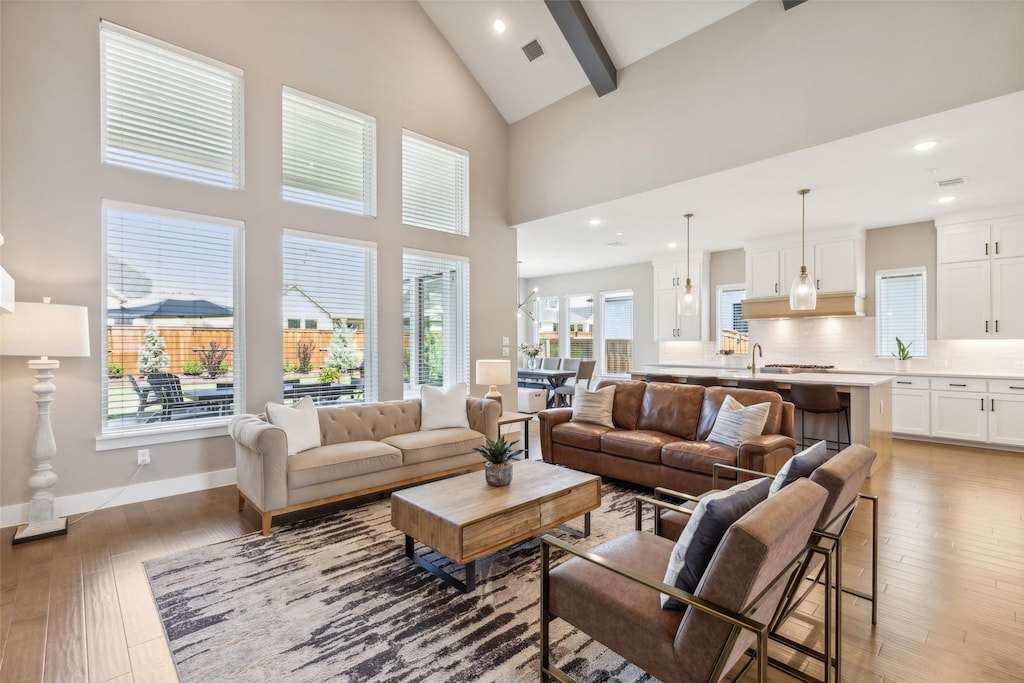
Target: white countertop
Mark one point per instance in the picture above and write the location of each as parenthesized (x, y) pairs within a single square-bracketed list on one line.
[(923, 372), (843, 379)]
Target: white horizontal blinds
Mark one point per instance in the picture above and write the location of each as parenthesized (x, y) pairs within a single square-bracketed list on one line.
[(617, 330), (435, 184), (435, 320), (547, 325), (900, 311), (170, 111), (171, 305), (328, 154), (329, 318), (581, 326), (730, 318)]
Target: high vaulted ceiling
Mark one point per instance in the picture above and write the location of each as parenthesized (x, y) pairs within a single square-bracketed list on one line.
[(869, 180)]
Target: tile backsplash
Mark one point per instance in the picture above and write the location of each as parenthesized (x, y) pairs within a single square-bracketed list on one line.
[(849, 344)]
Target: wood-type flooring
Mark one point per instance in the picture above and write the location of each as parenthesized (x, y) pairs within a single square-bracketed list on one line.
[(79, 608)]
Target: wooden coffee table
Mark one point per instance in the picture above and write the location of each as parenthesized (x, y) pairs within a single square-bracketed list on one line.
[(464, 519)]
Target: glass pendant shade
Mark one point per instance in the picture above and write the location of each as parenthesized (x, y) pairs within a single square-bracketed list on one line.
[(803, 293), (803, 296), (688, 306)]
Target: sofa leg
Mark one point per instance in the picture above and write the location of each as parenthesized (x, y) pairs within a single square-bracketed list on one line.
[(266, 523), (241, 502)]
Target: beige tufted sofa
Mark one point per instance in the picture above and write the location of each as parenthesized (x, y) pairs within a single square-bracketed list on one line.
[(364, 448)]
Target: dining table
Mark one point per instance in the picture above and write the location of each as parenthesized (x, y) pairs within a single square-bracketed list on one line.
[(554, 378)]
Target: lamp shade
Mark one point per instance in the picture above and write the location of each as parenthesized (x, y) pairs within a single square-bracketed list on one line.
[(493, 372), (43, 330)]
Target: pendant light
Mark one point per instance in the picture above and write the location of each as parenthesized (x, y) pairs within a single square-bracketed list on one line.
[(688, 306), (803, 295)]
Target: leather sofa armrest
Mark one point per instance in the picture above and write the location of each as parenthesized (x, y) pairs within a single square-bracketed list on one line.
[(261, 461), (483, 415), (548, 419), (765, 453)]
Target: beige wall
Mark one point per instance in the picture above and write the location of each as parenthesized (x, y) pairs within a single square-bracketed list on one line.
[(901, 246), (382, 58), (760, 83)]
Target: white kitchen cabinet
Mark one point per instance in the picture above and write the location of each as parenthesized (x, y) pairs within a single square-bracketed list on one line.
[(959, 409), (669, 288), (834, 262), (1006, 412), (980, 275), (911, 406)]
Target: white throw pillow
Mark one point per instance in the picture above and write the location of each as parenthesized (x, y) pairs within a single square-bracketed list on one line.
[(800, 465), (299, 422), (593, 406), (442, 408), (737, 423)]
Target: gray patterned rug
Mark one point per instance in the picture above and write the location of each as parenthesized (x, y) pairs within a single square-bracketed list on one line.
[(335, 599)]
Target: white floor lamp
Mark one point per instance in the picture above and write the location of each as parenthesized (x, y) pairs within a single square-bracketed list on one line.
[(43, 330)]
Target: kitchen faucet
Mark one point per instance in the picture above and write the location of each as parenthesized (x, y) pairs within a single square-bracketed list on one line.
[(753, 363)]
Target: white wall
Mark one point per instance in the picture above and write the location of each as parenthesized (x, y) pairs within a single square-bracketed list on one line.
[(760, 83), (382, 58)]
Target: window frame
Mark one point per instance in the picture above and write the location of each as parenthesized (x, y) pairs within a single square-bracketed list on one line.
[(920, 348), (719, 291), (601, 331), (453, 154), (178, 430)]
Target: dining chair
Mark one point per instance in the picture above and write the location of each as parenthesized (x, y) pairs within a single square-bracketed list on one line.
[(584, 371), (550, 363)]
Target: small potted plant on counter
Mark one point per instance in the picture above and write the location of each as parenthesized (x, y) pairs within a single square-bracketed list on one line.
[(498, 453), (902, 355)]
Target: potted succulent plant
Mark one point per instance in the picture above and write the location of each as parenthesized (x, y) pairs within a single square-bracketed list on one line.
[(498, 453), (902, 355)]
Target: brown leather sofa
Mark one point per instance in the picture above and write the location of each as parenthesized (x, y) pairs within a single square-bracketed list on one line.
[(660, 433)]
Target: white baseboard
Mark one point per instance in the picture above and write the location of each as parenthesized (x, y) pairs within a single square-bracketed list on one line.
[(136, 493)]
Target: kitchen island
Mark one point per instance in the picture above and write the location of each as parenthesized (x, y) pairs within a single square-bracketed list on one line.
[(869, 398)]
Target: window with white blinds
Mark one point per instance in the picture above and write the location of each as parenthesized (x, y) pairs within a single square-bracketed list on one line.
[(547, 326), (435, 320), (581, 326), (329, 319), (172, 282), (328, 154), (617, 331), (170, 111), (435, 184), (901, 307), (732, 330)]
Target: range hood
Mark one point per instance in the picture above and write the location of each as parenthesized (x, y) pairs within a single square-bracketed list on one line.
[(830, 305)]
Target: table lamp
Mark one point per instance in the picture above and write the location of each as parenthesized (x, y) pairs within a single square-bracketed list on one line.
[(43, 330), (493, 372)]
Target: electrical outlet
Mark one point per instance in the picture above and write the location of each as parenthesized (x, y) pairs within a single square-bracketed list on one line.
[(143, 456), (504, 351), (504, 341)]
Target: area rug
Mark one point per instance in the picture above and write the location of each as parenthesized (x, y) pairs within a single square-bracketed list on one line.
[(335, 599)]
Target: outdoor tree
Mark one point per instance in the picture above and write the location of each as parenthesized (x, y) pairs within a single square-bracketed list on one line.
[(433, 358), (152, 356), (342, 353)]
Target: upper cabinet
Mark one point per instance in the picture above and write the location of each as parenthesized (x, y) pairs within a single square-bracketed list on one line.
[(980, 277), (835, 261), (669, 287)]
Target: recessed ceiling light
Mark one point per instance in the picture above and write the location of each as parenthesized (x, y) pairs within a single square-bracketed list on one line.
[(595, 221), (619, 234), (924, 146), (947, 199), (672, 245), (499, 25)]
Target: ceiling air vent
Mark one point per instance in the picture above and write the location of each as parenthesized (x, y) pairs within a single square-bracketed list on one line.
[(616, 244), (952, 182), (533, 50)]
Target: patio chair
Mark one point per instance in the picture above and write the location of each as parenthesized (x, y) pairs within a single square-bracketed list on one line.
[(611, 593), (147, 397), (173, 405)]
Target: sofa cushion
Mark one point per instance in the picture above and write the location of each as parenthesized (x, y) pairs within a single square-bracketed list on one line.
[(435, 444), (594, 407), (299, 422), (443, 408), (715, 396), (671, 408), (800, 465), (737, 423), (635, 444), (579, 435), (340, 461), (697, 456), (710, 520), (628, 395)]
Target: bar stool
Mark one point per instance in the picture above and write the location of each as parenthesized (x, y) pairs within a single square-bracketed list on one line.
[(671, 379), (704, 381), (759, 384), (820, 399)]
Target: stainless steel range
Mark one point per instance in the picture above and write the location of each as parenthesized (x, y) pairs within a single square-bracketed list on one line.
[(792, 369)]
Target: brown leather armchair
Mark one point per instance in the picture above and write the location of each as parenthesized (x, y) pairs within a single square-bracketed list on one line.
[(611, 592)]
